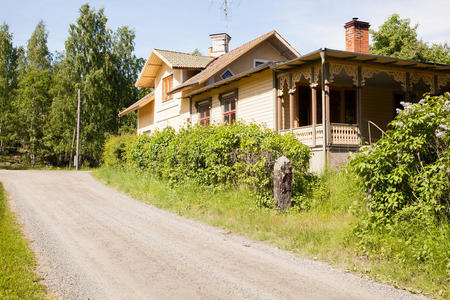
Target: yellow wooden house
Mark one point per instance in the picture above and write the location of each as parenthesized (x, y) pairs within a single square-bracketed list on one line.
[(332, 100)]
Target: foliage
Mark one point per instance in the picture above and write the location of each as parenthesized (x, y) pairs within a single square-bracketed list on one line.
[(17, 277), (397, 38), (196, 52), (212, 155), (409, 166), (406, 178), (9, 59), (102, 65), (34, 99)]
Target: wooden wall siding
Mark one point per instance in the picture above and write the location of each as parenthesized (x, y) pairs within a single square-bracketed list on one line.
[(255, 100), (146, 115), (378, 107), (254, 104), (264, 51)]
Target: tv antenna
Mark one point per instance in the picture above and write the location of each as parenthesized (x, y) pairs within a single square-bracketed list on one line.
[(225, 14)]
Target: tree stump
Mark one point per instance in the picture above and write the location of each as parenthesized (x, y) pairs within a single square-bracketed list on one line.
[(282, 182)]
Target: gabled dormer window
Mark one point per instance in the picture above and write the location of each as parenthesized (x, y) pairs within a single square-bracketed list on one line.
[(166, 87), (258, 62), (227, 74)]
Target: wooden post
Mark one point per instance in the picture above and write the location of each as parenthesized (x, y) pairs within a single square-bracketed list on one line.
[(280, 99), (77, 155), (325, 92), (314, 114), (359, 101), (291, 108), (282, 182)]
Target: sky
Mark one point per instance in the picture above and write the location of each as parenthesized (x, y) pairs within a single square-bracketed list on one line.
[(186, 25)]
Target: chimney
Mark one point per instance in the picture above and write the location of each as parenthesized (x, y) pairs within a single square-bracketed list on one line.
[(220, 43), (357, 36)]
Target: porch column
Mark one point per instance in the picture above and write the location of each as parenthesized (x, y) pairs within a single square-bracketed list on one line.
[(314, 113), (327, 109), (291, 107), (359, 101), (280, 99)]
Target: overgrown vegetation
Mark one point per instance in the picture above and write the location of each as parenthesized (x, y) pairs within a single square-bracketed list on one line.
[(17, 264), (213, 155), (38, 90), (406, 177)]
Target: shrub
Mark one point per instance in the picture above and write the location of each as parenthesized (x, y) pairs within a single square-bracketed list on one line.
[(213, 155), (410, 165), (406, 179)]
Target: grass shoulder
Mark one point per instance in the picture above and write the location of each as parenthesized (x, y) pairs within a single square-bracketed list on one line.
[(323, 231), (17, 277)]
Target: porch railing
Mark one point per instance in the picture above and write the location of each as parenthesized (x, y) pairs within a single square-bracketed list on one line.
[(340, 134)]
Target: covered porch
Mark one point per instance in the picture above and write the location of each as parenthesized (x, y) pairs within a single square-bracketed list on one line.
[(335, 101), (358, 95)]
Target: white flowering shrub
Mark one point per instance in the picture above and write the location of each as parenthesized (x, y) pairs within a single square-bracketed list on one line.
[(410, 164)]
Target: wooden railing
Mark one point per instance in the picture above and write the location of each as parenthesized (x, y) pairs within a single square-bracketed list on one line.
[(344, 134), (340, 134)]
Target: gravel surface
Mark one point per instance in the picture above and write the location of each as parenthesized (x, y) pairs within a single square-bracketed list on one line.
[(93, 242)]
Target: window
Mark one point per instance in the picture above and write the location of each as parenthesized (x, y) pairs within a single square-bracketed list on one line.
[(258, 62), (203, 113), (227, 74), (166, 87), (229, 107)]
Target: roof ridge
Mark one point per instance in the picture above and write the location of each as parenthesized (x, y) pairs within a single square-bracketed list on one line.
[(179, 52)]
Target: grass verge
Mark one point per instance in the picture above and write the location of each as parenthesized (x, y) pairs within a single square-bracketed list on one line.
[(17, 263), (323, 231)]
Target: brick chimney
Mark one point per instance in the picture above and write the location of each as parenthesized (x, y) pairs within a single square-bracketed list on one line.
[(357, 36), (220, 43)]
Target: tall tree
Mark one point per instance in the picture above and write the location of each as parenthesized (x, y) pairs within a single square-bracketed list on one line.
[(102, 64), (9, 56), (398, 38), (34, 97)]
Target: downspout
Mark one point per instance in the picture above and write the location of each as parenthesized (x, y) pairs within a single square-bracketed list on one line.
[(324, 121)]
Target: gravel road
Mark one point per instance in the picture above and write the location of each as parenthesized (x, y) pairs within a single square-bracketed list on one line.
[(95, 243)]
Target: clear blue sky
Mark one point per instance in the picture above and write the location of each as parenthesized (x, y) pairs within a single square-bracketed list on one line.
[(185, 25)]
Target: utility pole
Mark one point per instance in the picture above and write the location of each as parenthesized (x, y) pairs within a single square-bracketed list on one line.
[(77, 155)]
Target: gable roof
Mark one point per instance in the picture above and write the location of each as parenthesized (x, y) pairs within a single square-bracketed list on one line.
[(173, 59), (222, 61), (138, 104), (184, 60)]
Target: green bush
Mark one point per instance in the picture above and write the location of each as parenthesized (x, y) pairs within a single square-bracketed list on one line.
[(406, 180), (212, 156), (410, 165)]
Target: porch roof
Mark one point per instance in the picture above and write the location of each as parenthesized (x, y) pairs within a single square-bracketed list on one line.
[(138, 104), (361, 58)]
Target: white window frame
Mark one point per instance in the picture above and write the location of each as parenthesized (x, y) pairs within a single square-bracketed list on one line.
[(227, 70), (255, 60)]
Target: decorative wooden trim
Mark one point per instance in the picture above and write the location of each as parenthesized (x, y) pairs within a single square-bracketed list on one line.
[(443, 80), (200, 102), (399, 76), (350, 70), (302, 73), (282, 80), (427, 78)]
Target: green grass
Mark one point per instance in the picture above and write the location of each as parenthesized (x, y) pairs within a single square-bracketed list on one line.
[(17, 263), (324, 231)]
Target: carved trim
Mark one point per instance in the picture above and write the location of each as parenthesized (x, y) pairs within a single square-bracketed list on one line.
[(399, 76), (443, 80), (427, 78), (317, 70), (297, 76), (292, 91), (350, 70), (282, 79)]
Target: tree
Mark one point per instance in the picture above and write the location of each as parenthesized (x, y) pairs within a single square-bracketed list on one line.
[(196, 52), (102, 64), (9, 58), (34, 99), (398, 38)]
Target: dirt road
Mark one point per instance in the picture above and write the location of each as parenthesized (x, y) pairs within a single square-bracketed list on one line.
[(93, 242)]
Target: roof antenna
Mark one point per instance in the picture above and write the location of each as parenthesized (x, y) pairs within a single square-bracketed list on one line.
[(225, 14)]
